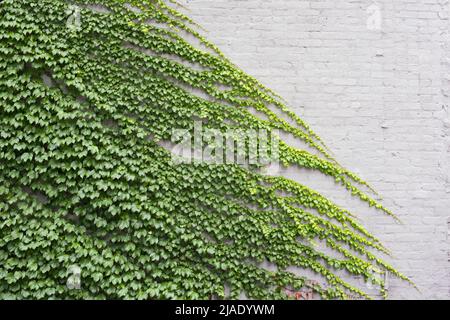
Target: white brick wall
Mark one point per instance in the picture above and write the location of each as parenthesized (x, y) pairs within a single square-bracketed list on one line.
[(373, 79)]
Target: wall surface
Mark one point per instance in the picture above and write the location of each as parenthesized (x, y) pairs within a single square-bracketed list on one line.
[(373, 80)]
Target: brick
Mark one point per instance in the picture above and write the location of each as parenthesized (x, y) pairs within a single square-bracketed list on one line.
[(379, 98)]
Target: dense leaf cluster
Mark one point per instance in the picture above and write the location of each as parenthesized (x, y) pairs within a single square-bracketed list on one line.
[(85, 181)]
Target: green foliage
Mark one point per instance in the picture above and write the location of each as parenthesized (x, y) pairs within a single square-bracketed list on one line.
[(84, 180)]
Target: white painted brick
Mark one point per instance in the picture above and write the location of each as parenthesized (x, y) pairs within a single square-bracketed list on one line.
[(378, 97)]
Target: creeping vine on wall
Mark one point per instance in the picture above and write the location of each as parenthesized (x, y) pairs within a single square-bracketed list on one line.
[(89, 90)]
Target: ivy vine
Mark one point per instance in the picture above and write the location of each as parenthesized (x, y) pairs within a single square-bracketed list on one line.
[(88, 91)]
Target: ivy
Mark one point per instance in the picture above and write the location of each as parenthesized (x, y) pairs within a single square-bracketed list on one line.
[(86, 181)]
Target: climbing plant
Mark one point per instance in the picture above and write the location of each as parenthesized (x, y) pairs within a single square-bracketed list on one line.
[(90, 95)]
